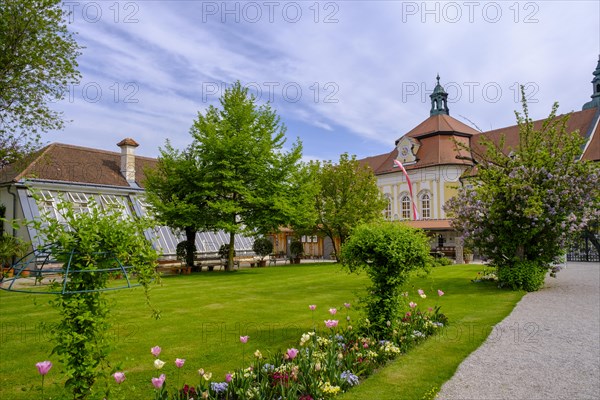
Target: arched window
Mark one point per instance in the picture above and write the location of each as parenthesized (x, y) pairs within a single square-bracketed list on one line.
[(405, 204), (425, 206), (388, 208)]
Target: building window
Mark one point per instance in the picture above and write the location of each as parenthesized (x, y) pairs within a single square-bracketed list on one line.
[(388, 208), (426, 206), (405, 203)]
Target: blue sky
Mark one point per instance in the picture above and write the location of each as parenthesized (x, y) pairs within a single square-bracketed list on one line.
[(345, 76)]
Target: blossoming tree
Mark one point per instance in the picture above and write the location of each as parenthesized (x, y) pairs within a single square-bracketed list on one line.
[(526, 201)]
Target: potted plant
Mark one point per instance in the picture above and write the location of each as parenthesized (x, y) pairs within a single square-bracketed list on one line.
[(296, 250), (181, 254), (262, 247), (10, 247), (467, 254)]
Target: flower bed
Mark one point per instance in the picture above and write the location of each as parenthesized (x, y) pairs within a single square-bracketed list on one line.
[(329, 360)]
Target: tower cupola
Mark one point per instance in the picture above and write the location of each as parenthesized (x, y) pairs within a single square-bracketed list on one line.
[(595, 102), (439, 100)]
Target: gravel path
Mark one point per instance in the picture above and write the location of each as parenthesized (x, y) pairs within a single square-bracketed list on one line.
[(547, 348)]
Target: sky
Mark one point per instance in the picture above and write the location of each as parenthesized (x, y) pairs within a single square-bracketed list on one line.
[(344, 76)]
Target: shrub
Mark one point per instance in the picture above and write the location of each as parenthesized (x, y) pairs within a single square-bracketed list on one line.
[(224, 251), (11, 246), (296, 248), (181, 250), (526, 275), (388, 252), (262, 247)]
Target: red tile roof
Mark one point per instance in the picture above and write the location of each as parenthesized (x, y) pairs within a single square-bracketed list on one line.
[(73, 164)]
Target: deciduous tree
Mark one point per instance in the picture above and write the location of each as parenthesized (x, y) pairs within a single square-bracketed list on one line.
[(255, 185), (37, 63)]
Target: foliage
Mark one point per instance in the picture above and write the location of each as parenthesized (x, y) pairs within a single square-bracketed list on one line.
[(181, 250), (176, 189), (11, 246), (89, 244), (443, 261), (527, 201), (37, 64), (296, 248), (255, 186), (388, 252), (262, 247), (347, 196)]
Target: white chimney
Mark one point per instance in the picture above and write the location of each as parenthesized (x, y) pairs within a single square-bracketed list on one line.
[(128, 146)]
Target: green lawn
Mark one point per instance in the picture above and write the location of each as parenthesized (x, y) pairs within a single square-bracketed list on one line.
[(204, 314)]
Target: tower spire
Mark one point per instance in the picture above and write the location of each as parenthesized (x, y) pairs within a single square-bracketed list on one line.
[(595, 102), (439, 100)]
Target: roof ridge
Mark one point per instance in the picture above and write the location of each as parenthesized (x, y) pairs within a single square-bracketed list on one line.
[(117, 153)]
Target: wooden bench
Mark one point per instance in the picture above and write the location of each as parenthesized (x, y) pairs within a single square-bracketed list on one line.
[(211, 262), (171, 265), (273, 259)]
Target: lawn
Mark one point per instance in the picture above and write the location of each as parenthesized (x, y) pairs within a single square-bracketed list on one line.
[(203, 316)]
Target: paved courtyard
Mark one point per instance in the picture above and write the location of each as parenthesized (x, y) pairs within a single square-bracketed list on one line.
[(547, 348)]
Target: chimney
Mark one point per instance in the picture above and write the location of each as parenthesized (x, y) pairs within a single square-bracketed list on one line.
[(128, 146)]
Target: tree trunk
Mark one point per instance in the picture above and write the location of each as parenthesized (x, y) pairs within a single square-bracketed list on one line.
[(190, 236), (229, 266)]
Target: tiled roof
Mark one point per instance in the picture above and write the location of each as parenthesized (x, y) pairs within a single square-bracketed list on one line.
[(73, 164), (440, 123), (585, 121)]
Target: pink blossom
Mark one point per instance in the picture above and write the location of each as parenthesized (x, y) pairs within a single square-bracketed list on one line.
[(421, 293), (440, 293), (244, 339), (119, 377), (408, 314), (228, 377), (179, 362), (332, 311), (43, 367), (158, 382), (412, 304), (347, 305), (331, 323), (291, 353), (312, 307), (155, 351)]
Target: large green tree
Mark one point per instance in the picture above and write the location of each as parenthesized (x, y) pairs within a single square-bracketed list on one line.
[(347, 196), (177, 191), (37, 63), (528, 200), (255, 185)]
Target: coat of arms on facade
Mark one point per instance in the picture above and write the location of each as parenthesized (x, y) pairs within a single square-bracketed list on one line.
[(407, 150)]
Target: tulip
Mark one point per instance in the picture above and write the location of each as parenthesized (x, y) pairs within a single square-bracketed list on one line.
[(331, 323), (179, 362), (258, 354), (228, 377), (155, 351), (207, 376), (412, 304), (312, 307), (440, 293), (244, 339), (332, 311), (43, 367), (201, 371), (158, 382), (292, 353), (158, 364), (347, 305), (422, 293), (119, 377)]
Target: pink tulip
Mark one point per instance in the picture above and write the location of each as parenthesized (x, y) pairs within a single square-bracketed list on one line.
[(119, 377), (421, 293), (331, 323), (408, 314), (440, 293), (347, 305), (332, 311), (228, 377), (412, 304), (179, 362), (244, 339), (155, 351), (158, 382), (292, 353), (43, 367), (312, 307)]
